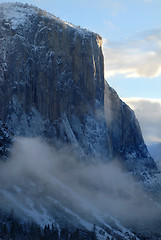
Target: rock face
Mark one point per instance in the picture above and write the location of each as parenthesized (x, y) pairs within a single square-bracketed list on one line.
[(6, 139), (125, 133), (52, 85)]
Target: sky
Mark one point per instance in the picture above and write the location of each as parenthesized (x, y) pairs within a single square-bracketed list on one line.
[(131, 32)]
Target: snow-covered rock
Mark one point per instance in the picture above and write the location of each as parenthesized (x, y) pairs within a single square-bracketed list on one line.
[(52, 85), (6, 140)]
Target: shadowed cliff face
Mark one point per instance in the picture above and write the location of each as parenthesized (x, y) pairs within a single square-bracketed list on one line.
[(125, 133), (6, 139), (45, 62), (52, 85), (52, 79)]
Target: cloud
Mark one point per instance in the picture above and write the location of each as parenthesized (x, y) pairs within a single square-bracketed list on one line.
[(38, 180), (148, 112), (139, 56)]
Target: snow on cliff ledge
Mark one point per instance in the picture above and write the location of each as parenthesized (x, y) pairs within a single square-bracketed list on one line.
[(15, 13), (18, 14)]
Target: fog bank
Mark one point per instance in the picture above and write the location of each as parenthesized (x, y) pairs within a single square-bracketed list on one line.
[(46, 184)]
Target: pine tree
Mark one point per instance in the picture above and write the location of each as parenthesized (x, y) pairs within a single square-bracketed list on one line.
[(75, 235), (64, 235), (5, 234), (54, 232), (93, 233)]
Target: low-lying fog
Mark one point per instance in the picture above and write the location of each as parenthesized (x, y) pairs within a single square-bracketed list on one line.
[(39, 181)]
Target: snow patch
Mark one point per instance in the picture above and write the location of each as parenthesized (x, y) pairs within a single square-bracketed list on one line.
[(16, 14)]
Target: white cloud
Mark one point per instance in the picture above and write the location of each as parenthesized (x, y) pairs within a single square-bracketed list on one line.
[(136, 57), (148, 112)]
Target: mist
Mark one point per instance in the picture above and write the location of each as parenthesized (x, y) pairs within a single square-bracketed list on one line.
[(45, 184)]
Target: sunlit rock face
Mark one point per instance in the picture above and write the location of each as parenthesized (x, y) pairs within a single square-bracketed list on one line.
[(52, 85)]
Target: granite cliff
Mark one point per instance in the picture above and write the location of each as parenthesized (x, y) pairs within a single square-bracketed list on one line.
[(52, 80), (52, 85)]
